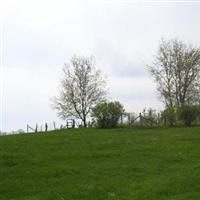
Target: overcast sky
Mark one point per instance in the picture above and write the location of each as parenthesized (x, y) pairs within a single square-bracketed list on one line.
[(39, 36)]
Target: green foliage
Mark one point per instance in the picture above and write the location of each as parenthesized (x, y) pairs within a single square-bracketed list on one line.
[(169, 116), (188, 114), (101, 164), (150, 115), (131, 119), (107, 114)]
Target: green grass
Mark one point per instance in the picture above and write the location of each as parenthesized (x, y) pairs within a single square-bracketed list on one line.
[(111, 164)]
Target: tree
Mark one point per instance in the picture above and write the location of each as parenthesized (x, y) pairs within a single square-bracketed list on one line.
[(107, 114), (176, 71), (188, 114), (169, 116), (82, 87)]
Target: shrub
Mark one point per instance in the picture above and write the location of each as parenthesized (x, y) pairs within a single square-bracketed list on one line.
[(150, 115), (169, 116), (107, 114), (188, 114)]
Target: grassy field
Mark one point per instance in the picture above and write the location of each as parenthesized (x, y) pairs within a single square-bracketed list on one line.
[(91, 164)]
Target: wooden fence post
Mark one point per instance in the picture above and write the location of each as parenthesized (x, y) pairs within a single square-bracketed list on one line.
[(46, 127), (158, 118), (129, 119), (54, 125), (36, 128), (141, 120), (27, 128)]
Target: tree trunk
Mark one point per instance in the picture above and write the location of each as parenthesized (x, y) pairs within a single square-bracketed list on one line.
[(84, 122)]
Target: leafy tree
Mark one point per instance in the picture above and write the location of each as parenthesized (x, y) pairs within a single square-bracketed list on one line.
[(107, 114), (176, 71), (82, 87), (188, 114), (169, 116)]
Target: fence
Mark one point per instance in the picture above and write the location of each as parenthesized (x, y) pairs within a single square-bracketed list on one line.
[(142, 119), (130, 119), (70, 123)]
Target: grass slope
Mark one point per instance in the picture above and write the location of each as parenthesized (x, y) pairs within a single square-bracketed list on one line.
[(91, 164)]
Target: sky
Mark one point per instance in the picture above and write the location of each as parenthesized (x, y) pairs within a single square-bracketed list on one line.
[(39, 36)]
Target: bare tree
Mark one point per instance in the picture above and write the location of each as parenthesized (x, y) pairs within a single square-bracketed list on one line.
[(82, 87), (176, 71)]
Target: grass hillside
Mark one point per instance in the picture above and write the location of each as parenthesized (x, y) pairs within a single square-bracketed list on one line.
[(91, 164)]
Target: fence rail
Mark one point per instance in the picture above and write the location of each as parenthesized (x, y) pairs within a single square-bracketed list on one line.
[(71, 123), (142, 120)]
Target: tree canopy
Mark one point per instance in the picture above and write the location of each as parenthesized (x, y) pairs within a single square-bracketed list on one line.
[(176, 71), (82, 87), (107, 114)]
